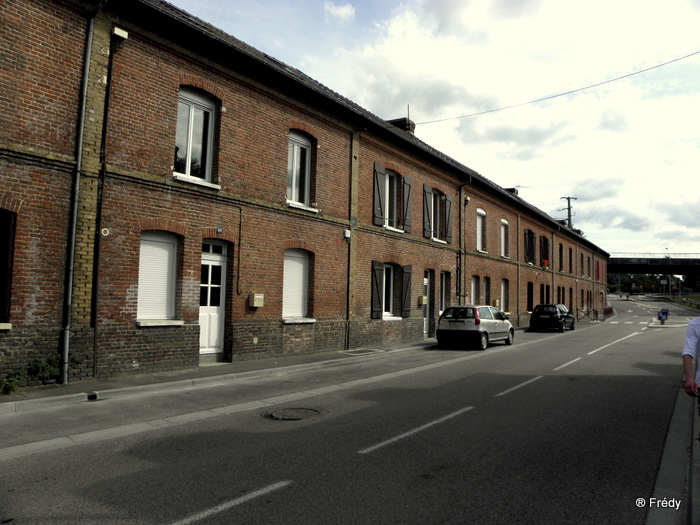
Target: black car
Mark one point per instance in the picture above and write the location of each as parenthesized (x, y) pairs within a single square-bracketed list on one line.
[(551, 317)]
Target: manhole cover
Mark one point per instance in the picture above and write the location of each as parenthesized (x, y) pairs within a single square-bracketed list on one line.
[(292, 414)]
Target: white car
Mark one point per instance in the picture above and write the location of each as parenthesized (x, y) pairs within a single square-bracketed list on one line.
[(474, 325)]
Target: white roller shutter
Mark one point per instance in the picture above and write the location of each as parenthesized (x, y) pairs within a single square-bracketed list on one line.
[(296, 272), (157, 267)]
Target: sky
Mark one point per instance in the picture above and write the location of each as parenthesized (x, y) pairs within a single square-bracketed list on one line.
[(627, 147)]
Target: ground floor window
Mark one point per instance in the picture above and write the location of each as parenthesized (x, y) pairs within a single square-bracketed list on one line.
[(157, 276), (295, 293), (7, 242), (391, 290), (505, 292), (444, 291), (476, 289)]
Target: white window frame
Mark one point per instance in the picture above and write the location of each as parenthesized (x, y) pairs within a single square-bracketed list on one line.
[(505, 295), (505, 234), (435, 215), (388, 292), (295, 292), (391, 192), (157, 285), (194, 102), (481, 230), (444, 291), (299, 170), (475, 289)]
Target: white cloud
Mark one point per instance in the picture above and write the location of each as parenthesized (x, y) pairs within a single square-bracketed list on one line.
[(344, 13)]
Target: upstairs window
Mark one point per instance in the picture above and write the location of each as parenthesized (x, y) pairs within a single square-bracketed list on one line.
[(505, 250), (195, 136), (530, 242), (392, 199), (437, 215), (561, 257), (480, 230), (544, 252), (299, 166)]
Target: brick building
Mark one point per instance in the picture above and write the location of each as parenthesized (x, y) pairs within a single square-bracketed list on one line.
[(170, 195)]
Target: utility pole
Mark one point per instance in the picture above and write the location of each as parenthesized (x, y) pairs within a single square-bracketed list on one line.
[(568, 210)]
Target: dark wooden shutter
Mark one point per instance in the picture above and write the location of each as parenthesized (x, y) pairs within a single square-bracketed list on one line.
[(7, 241), (427, 211), (379, 194), (377, 291), (406, 291), (407, 189), (448, 218)]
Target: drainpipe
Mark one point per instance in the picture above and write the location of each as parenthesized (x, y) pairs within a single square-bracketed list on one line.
[(70, 270), (461, 258)]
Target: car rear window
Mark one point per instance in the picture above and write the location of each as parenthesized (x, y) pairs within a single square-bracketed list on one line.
[(459, 313)]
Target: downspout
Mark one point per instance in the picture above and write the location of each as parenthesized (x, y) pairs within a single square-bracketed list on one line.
[(348, 235), (70, 270), (461, 258), (116, 42)]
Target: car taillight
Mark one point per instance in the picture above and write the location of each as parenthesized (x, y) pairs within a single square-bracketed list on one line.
[(477, 319)]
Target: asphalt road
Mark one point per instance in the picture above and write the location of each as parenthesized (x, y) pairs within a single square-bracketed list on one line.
[(558, 428)]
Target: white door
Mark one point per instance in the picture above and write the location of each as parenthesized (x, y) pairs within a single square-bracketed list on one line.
[(212, 292)]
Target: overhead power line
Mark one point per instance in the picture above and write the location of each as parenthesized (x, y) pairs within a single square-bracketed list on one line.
[(542, 99)]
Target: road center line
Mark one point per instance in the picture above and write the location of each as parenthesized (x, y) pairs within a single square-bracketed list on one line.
[(567, 364), (518, 386), (414, 431), (230, 504), (614, 342)]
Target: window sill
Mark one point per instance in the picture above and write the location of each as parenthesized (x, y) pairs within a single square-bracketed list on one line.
[(392, 229), (196, 180), (482, 251), (389, 317), (505, 256), (439, 241), (5, 326), (298, 320), (145, 323), (301, 206)]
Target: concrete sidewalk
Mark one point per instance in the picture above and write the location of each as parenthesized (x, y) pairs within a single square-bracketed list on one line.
[(38, 397)]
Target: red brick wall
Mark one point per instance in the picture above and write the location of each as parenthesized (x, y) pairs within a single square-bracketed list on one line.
[(42, 46)]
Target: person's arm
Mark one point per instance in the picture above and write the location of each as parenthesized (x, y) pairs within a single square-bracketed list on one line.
[(691, 387)]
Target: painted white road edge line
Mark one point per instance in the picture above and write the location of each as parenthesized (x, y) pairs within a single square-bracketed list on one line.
[(414, 431), (614, 342), (518, 386), (230, 504), (567, 364)]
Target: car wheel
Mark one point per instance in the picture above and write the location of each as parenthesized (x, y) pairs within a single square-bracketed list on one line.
[(573, 325), (483, 341), (509, 339), (562, 327)]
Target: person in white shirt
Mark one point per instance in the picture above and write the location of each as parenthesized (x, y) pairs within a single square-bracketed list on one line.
[(691, 350)]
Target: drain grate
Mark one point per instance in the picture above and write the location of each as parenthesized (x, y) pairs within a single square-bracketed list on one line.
[(292, 414)]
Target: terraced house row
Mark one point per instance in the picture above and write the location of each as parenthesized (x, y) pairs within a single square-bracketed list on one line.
[(170, 195)]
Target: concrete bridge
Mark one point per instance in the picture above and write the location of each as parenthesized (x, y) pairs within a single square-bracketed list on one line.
[(655, 263)]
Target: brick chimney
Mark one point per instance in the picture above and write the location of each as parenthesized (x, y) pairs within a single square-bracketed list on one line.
[(404, 123)]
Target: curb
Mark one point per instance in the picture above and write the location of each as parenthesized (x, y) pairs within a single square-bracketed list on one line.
[(59, 401)]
